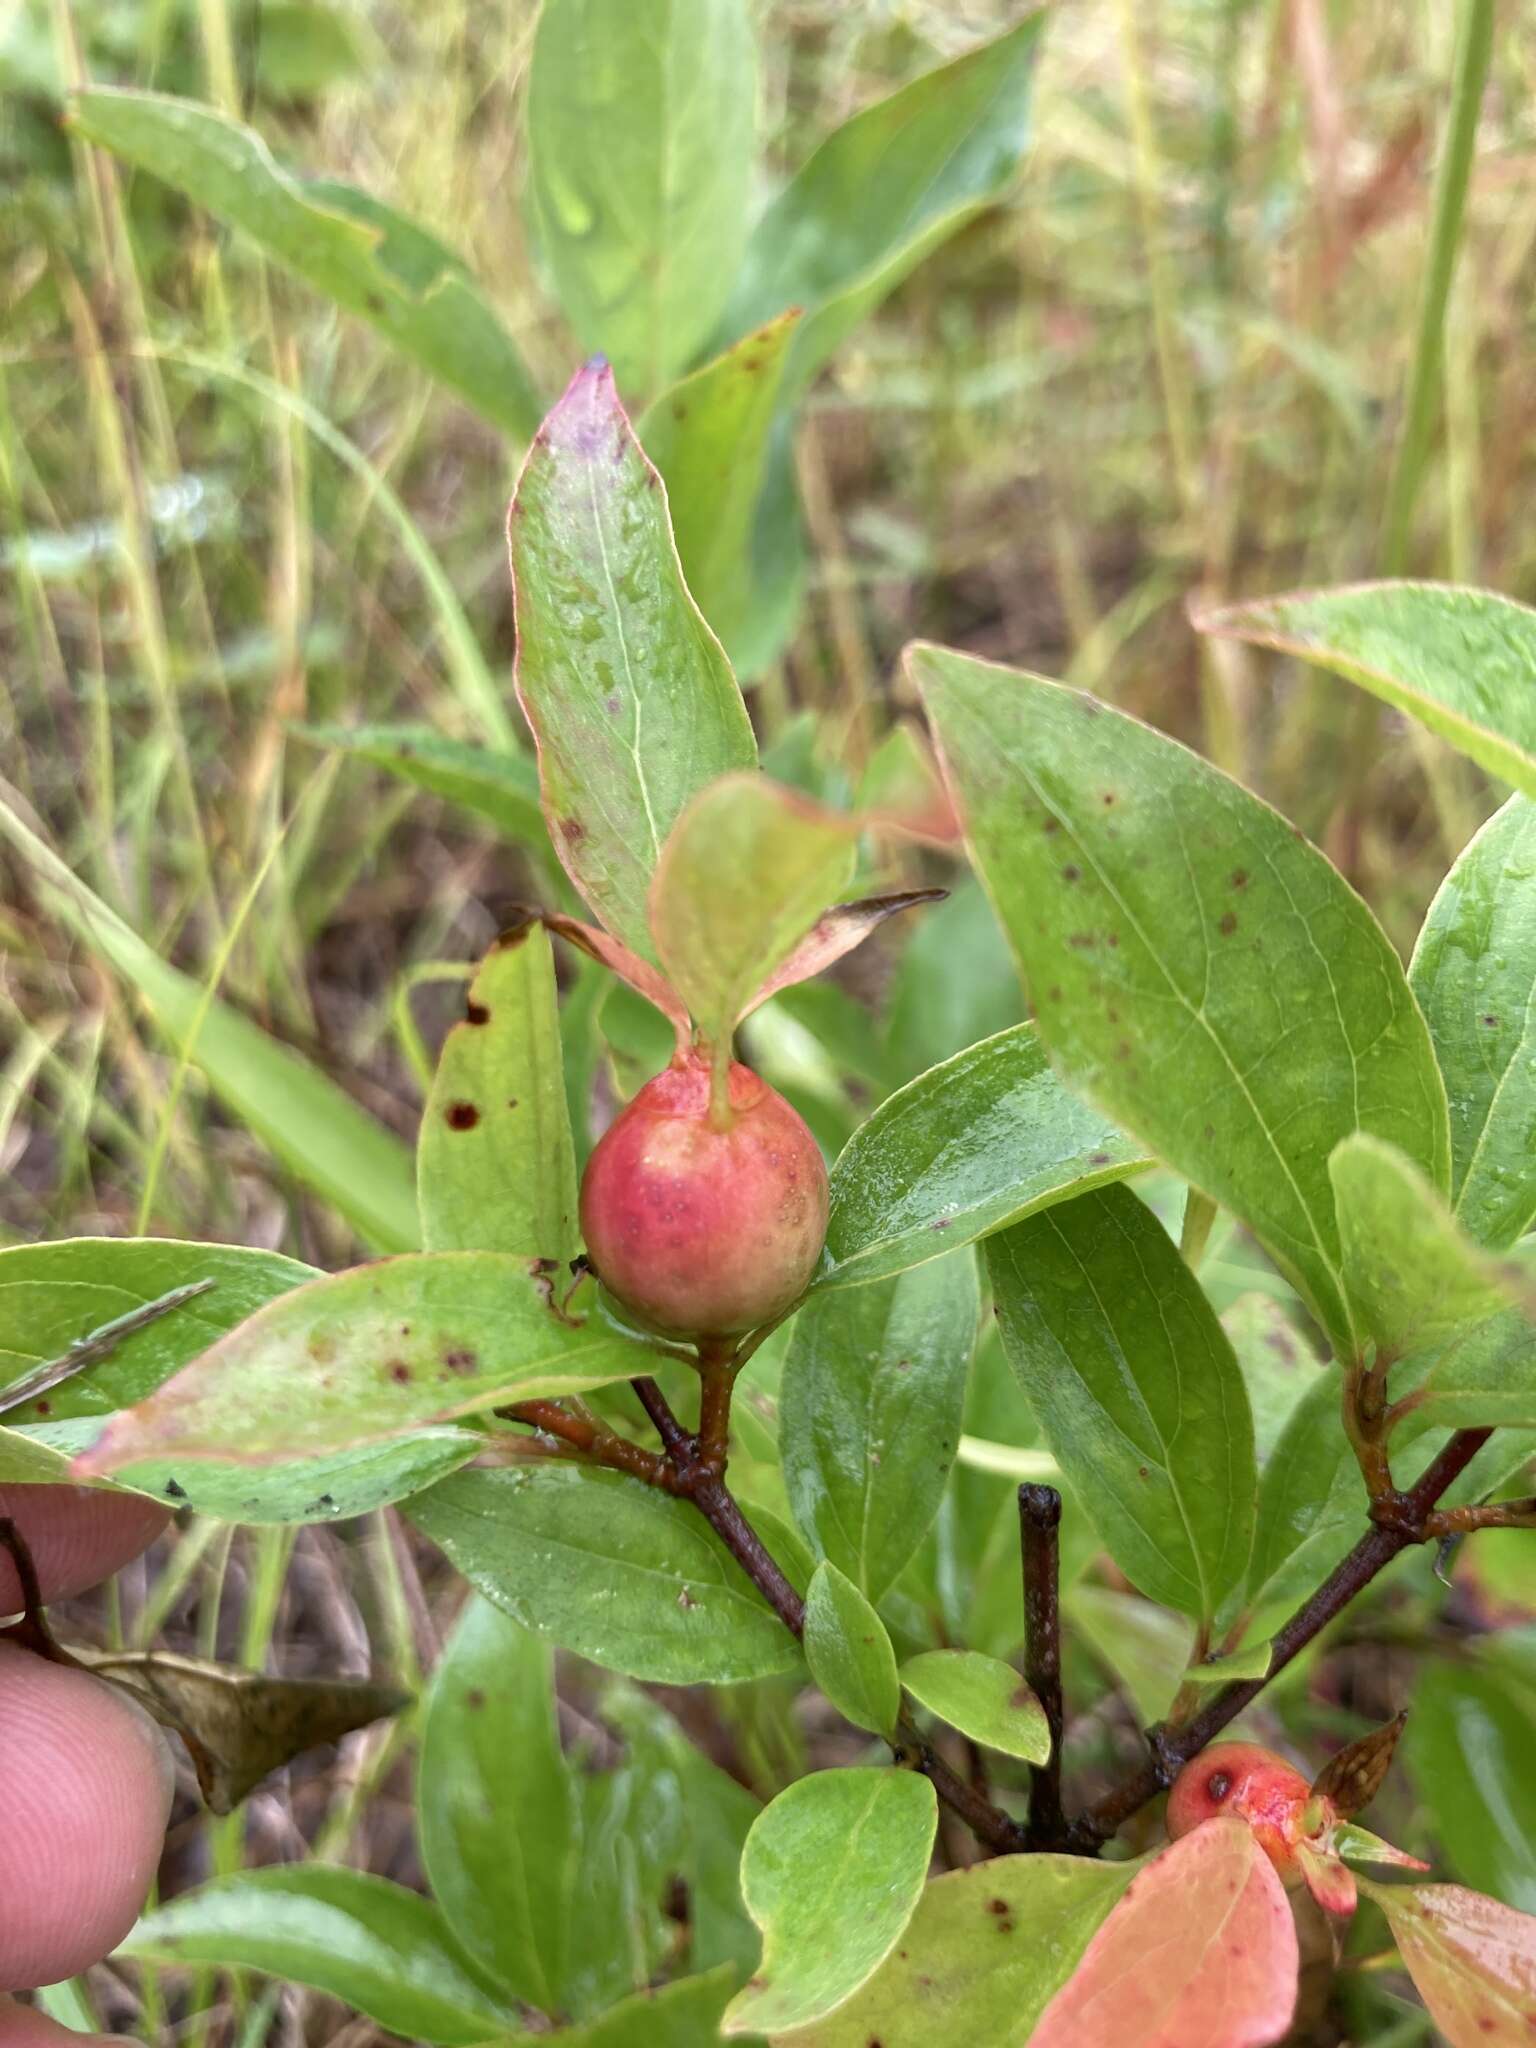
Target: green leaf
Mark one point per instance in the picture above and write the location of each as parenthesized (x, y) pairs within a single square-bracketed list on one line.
[(1145, 1648), (710, 436), (831, 1873), (496, 1812), (1278, 1368), (604, 1565), (1198, 969), (331, 1489), (1463, 662), (628, 693), (369, 1354), (883, 190), (960, 1975), (301, 1116), (745, 872), (1474, 973), (697, 1821), (849, 1653), (55, 1296), (495, 1167), (1472, 1960), (365, 257), (982, 1697), (1469, 1743), (869, 1414), (681, 2015), (975, 1144), (1413, 1277), (373, 1945), (641, 120), (503, 788), (1137, 1390)]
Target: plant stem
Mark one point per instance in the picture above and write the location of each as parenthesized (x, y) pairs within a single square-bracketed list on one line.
[(696, 1480), (1039, 1522), (1400, 1520)]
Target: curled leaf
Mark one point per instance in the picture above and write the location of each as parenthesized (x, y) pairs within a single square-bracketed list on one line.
[(836, 932), (1329, 1880), (613, 954), (240, 1726), (1354, 1777)]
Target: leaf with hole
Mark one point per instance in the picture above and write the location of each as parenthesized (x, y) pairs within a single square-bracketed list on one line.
[(1474, 973), (361, 254), (1198, 969), (1463, 662), (982, 1697), (971, 1146), (627, 691), (602, 1564), (832, 1872), (495, 1167), (371, 1354), (1137, 1390)]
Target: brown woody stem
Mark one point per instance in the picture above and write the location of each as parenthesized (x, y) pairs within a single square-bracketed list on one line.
[(703, 1483), (1400, 1520), (1039, 1524)]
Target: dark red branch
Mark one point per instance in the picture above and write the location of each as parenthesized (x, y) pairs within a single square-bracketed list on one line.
[(1039, 1524), (700, 1479), (1400, 1521)]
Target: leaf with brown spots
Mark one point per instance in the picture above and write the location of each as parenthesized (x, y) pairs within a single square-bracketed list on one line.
[(495, 1168), (367, 1355), (1200, 1953), (1240, 1056), (1472, 1960), (1354, 1777)]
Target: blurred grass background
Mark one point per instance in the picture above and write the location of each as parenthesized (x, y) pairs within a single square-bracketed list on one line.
[(1172, 364)]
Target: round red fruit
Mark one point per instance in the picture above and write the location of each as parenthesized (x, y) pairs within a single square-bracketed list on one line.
[(705, 1223), (1251, 1784)]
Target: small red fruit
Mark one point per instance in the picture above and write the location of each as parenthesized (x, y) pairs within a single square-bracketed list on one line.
[(1254, 1785), (704, 1223)]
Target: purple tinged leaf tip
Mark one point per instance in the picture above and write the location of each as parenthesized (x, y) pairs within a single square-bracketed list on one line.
[(583, 419)]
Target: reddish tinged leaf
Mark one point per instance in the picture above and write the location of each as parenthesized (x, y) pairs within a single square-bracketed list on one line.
[(1200, 1953), (1354, 1777), (1329, 1881), (837, 932), (642, 977), (1472, 1961)]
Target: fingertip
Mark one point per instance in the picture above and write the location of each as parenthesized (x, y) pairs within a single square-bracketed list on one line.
[(23, 2026), (76, 1535), (85, 1792)]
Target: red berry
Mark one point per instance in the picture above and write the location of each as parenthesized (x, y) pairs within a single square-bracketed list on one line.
[(1251, 1784), (703, 1227)]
